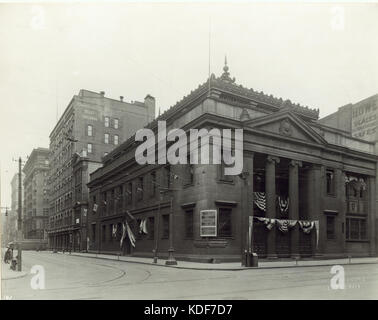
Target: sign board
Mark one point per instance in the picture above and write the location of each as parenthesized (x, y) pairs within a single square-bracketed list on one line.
[(365, 119), (208, 223)]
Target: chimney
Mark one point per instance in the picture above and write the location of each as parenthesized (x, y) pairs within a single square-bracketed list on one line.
[(121, 98), (149, 102), (102, 93)]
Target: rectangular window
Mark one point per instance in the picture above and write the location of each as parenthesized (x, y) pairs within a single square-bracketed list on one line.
[(115, 139), (106, 138), (93, 232), (189, 223), (103, 233), (151, 227), (224, 222), (130, 193), (140, 189), (356, 229), (90, 148), (116, 123), (221, 173), (107, 121), (165, 233), (90, 130), (168, 176), (330, 227), (110, 232), (330, 182), (153, 184)]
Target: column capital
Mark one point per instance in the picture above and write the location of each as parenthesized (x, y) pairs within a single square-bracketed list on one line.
[(271, 159), (295, 163)]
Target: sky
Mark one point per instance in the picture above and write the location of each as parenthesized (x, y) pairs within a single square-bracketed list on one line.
[(319, 55)]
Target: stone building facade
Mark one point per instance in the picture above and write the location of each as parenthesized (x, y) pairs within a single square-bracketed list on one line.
[(91, 126), (306, 189), (35, 197), (10, 221)]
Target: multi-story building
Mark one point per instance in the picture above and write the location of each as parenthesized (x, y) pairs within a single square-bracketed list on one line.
[(91, 126), (11, 219), (82, 168), (359, 119), (36, 193), (305, 189)]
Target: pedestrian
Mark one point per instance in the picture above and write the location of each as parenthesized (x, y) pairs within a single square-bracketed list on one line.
[(8, 255)]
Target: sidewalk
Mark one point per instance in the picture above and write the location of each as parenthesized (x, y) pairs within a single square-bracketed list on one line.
[(7, 273), (230, 266)]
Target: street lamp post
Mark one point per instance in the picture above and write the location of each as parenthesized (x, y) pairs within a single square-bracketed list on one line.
[(171, 259), (155, 251)]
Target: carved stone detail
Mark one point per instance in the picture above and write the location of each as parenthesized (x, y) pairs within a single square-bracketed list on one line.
[(286, 128)]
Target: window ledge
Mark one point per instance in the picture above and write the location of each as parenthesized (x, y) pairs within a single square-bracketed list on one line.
[(225, 181), (357, 240)]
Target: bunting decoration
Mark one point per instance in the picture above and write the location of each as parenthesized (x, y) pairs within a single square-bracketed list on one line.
[(283, 205), (269, 223), (260, 200), (285, 225), (130, 215), (123, 234), (114, 230), (143, 226), (130, 235), (306, 226)]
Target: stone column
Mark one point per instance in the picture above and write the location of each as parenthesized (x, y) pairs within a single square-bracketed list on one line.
[(270, 191), (247, 204), (294, 205)]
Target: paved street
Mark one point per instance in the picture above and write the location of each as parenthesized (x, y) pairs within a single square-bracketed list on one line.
[(74, 277)]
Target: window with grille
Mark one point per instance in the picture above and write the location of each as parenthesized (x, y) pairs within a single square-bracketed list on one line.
[(355, 229), (224, 222), (189, 223), (165, 233), (330, 182), (330, 227), (140, 188), (90, 130), (130, 193), (153, 184), (151, 227)]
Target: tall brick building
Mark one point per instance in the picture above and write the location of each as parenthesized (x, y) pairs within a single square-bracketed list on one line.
[(91, 126), (35, 197), (309, 189)]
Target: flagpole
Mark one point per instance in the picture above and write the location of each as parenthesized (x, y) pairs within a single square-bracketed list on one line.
[(209, 51)]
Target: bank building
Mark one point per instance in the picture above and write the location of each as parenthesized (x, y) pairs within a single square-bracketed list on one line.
[(307, 188)]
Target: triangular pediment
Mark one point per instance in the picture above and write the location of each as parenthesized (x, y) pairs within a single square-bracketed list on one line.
[(286, 124)]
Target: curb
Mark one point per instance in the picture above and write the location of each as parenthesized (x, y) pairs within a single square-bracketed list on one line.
[(21, 275), (230, 269)]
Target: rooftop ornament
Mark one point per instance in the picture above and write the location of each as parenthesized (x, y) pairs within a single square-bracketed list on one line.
[(226, 75)]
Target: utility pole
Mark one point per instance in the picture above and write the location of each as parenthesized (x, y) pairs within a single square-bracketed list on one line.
[(19, 220)]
